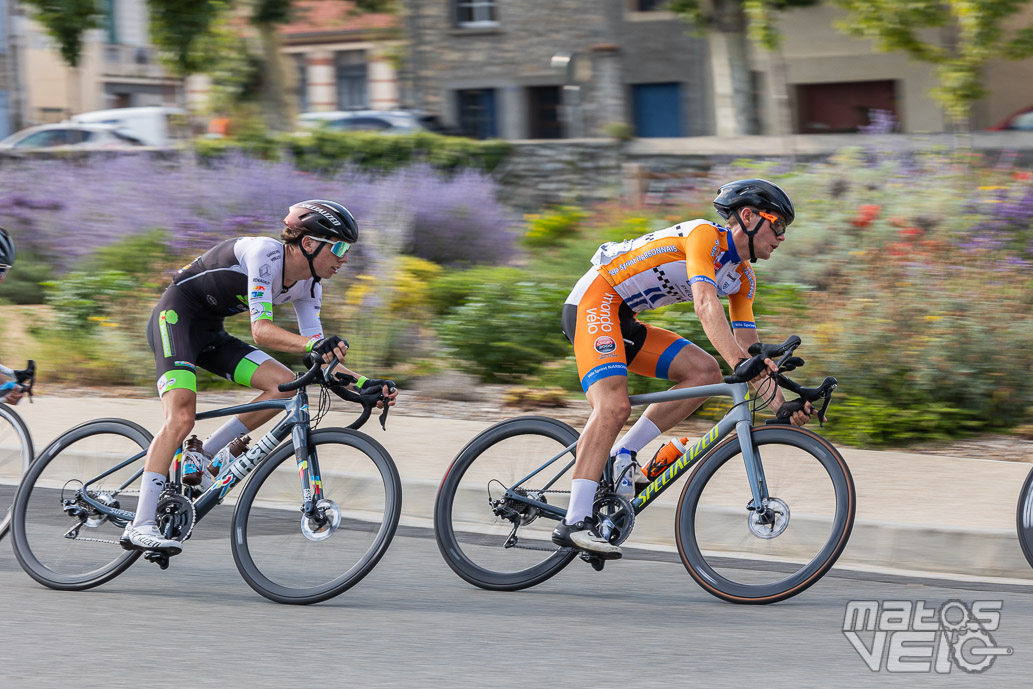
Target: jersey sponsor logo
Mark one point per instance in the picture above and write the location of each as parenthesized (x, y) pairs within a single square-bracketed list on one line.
[(165, 382), (257, 310), (273, 254), (641, 257), (257, 292), (326, 214), (211, 300), (260, 281), (186, 364), (605, 344), (600, 319), (264, 270)]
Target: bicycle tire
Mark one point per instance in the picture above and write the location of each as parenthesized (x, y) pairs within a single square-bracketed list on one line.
[(1024, 518), (268, 542), (804, 443), (480, 535), (16, 454), (38, 522)]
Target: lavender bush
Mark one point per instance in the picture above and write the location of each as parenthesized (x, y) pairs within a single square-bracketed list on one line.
[(67, 210)]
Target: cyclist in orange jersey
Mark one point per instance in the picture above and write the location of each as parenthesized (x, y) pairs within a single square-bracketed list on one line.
[(695, 261)]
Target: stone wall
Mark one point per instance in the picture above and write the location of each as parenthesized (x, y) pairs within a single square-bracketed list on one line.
[(581, 171)]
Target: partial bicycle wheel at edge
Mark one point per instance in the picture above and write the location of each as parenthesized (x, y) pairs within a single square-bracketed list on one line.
[(1024, 518), (48, 546), (471, 538), (16, 454), (286, 556), (743, 557)]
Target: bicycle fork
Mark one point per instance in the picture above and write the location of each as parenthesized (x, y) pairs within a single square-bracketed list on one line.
[(754, 468)]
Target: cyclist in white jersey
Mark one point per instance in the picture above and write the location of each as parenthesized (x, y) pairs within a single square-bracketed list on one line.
[(186, 330)]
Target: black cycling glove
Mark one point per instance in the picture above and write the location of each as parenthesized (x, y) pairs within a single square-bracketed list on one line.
[(328, 344)]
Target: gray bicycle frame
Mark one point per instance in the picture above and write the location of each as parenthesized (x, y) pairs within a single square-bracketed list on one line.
[(737, 419), (294, 424)]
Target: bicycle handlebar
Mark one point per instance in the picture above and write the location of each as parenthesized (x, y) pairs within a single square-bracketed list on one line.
[(338, 383), (749, 369)]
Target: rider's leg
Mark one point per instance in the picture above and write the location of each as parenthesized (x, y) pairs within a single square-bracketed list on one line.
[(691, 367), (265, 377), (178, 406)]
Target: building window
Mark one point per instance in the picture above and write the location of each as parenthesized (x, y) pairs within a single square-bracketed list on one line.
[(301, 69), (110, 21), (544, 112), (351, 80), (477, 113), (476, 12)]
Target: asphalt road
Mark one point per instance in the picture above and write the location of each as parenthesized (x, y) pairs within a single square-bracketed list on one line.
[(413, 623)]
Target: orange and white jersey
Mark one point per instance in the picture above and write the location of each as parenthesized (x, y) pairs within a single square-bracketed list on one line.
[(659, 268)]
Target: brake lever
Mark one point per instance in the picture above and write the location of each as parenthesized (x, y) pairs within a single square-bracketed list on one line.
[(387, 406)]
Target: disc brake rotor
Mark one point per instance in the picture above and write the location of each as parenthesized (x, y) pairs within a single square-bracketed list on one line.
[(322, 528), (771, 521)]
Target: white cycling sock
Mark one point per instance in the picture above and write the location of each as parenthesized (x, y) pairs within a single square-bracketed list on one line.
[(640, 435), (582, 495), (222, 437), (151, 485)]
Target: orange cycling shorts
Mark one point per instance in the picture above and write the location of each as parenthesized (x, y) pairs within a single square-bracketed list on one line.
[(608, 340)]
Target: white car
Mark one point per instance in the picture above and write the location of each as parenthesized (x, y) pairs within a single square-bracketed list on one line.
[(69, 137), (388, 121)]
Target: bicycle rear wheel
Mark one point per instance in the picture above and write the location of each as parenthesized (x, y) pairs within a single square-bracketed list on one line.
[(59, 540), (476, 542), (1024, 518), (753, 557), (288, 558), (15, 456)]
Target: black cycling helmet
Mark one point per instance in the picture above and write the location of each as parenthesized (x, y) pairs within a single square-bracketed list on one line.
[(6, 248), (755, 193), (323, 218)]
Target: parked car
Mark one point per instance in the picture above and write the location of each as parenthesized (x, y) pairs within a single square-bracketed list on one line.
[(154, 125), (1021, 121), (69, 137), (387, 121)]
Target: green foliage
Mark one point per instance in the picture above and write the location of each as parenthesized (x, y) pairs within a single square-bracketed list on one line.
[(504, 332), (979, 31), (868, 422), (135, 255), (65, 21), (547, 228), (179, 28), (23, 284), (326, 151), (84, 301), (452, 289)]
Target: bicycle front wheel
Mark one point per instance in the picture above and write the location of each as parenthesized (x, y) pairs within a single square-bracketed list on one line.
[(743, 555), (290, 558), (15, 456), (1024, 518), (491, 543), (60, 540)]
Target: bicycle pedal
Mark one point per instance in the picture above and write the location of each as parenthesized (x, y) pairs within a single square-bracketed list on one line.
[(159, 558)]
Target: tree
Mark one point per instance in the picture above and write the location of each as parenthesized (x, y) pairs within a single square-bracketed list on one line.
[(731, 23), (65, 21), (178, 29), (974, 32)]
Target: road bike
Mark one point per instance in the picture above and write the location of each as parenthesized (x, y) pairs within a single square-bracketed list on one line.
[(317, 512), (1024, 518), (498, 503), (16, 451)]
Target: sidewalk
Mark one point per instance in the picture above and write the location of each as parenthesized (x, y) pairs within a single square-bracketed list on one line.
[(934, 514)]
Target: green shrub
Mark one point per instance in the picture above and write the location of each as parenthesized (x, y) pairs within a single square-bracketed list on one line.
[(23, 284), (325, 150), (504, 332), (547, 228)]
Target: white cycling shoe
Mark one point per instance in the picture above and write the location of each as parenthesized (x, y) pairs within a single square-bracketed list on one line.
[(147, 537)]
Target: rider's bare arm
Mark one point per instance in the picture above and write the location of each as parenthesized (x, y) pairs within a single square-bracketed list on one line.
[(267, 334), (711, 315)]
